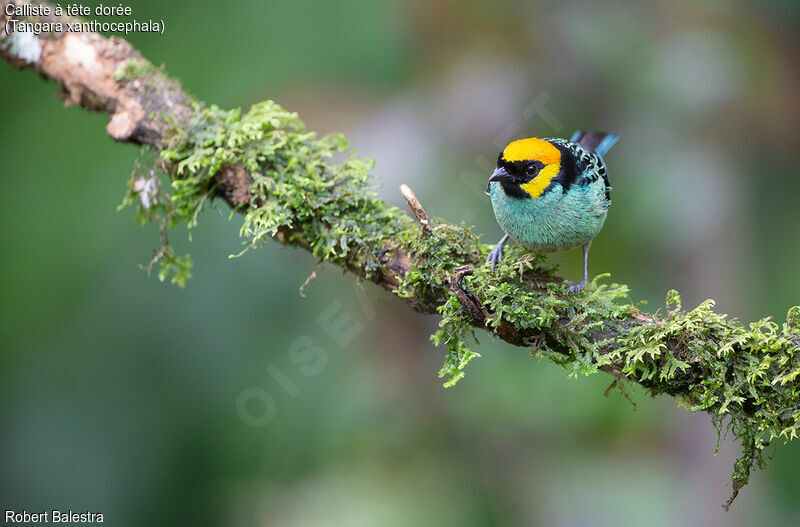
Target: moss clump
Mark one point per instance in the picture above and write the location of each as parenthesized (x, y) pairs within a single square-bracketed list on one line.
[(457, 334), (299, 184), (315, 191), (153, 204), (433, 256), (747, 373)]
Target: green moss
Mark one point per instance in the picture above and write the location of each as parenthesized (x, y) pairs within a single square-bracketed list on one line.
[(434, 254), (153, 204), (137, 68), (456, 334), (313, 189), (747, 373)]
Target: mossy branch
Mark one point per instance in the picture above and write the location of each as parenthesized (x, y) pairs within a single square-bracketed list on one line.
[(289, 187)]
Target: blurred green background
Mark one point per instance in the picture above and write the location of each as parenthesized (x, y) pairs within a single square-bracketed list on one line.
[(119, 394)]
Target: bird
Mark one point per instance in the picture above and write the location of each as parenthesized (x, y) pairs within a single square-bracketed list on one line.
[(552, 194)]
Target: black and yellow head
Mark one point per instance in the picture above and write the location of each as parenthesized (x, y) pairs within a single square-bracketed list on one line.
[(527, 167)]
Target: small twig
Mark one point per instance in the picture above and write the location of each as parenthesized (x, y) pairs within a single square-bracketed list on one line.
[(312, 276), (470, 303), (621, 389), (416, 207), (158, 254)]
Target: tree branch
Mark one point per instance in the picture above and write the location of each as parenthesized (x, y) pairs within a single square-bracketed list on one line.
[(416, 208), (264, 165)]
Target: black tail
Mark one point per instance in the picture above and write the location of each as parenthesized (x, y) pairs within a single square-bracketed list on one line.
[(597, 142)]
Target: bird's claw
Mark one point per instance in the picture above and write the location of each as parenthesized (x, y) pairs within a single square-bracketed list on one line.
[(574, 288), (495, 256)]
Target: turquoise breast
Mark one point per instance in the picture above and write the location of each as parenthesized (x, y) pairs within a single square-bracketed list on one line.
[(554, 221)]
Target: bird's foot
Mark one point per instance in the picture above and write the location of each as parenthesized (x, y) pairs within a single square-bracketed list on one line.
[(495, 256), (574, 288)]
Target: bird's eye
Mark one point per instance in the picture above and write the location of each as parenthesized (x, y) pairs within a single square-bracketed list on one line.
[(532, 169)]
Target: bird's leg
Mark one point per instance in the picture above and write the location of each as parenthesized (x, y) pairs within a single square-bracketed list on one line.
[(496, 255), (580, 285)]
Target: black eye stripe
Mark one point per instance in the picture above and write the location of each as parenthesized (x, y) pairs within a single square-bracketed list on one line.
[(527, 170), (518, 170)]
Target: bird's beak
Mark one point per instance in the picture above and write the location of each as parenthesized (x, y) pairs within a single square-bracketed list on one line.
[(500, 175)]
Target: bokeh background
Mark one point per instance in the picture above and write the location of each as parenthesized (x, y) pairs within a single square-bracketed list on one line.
[(119, 394)]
